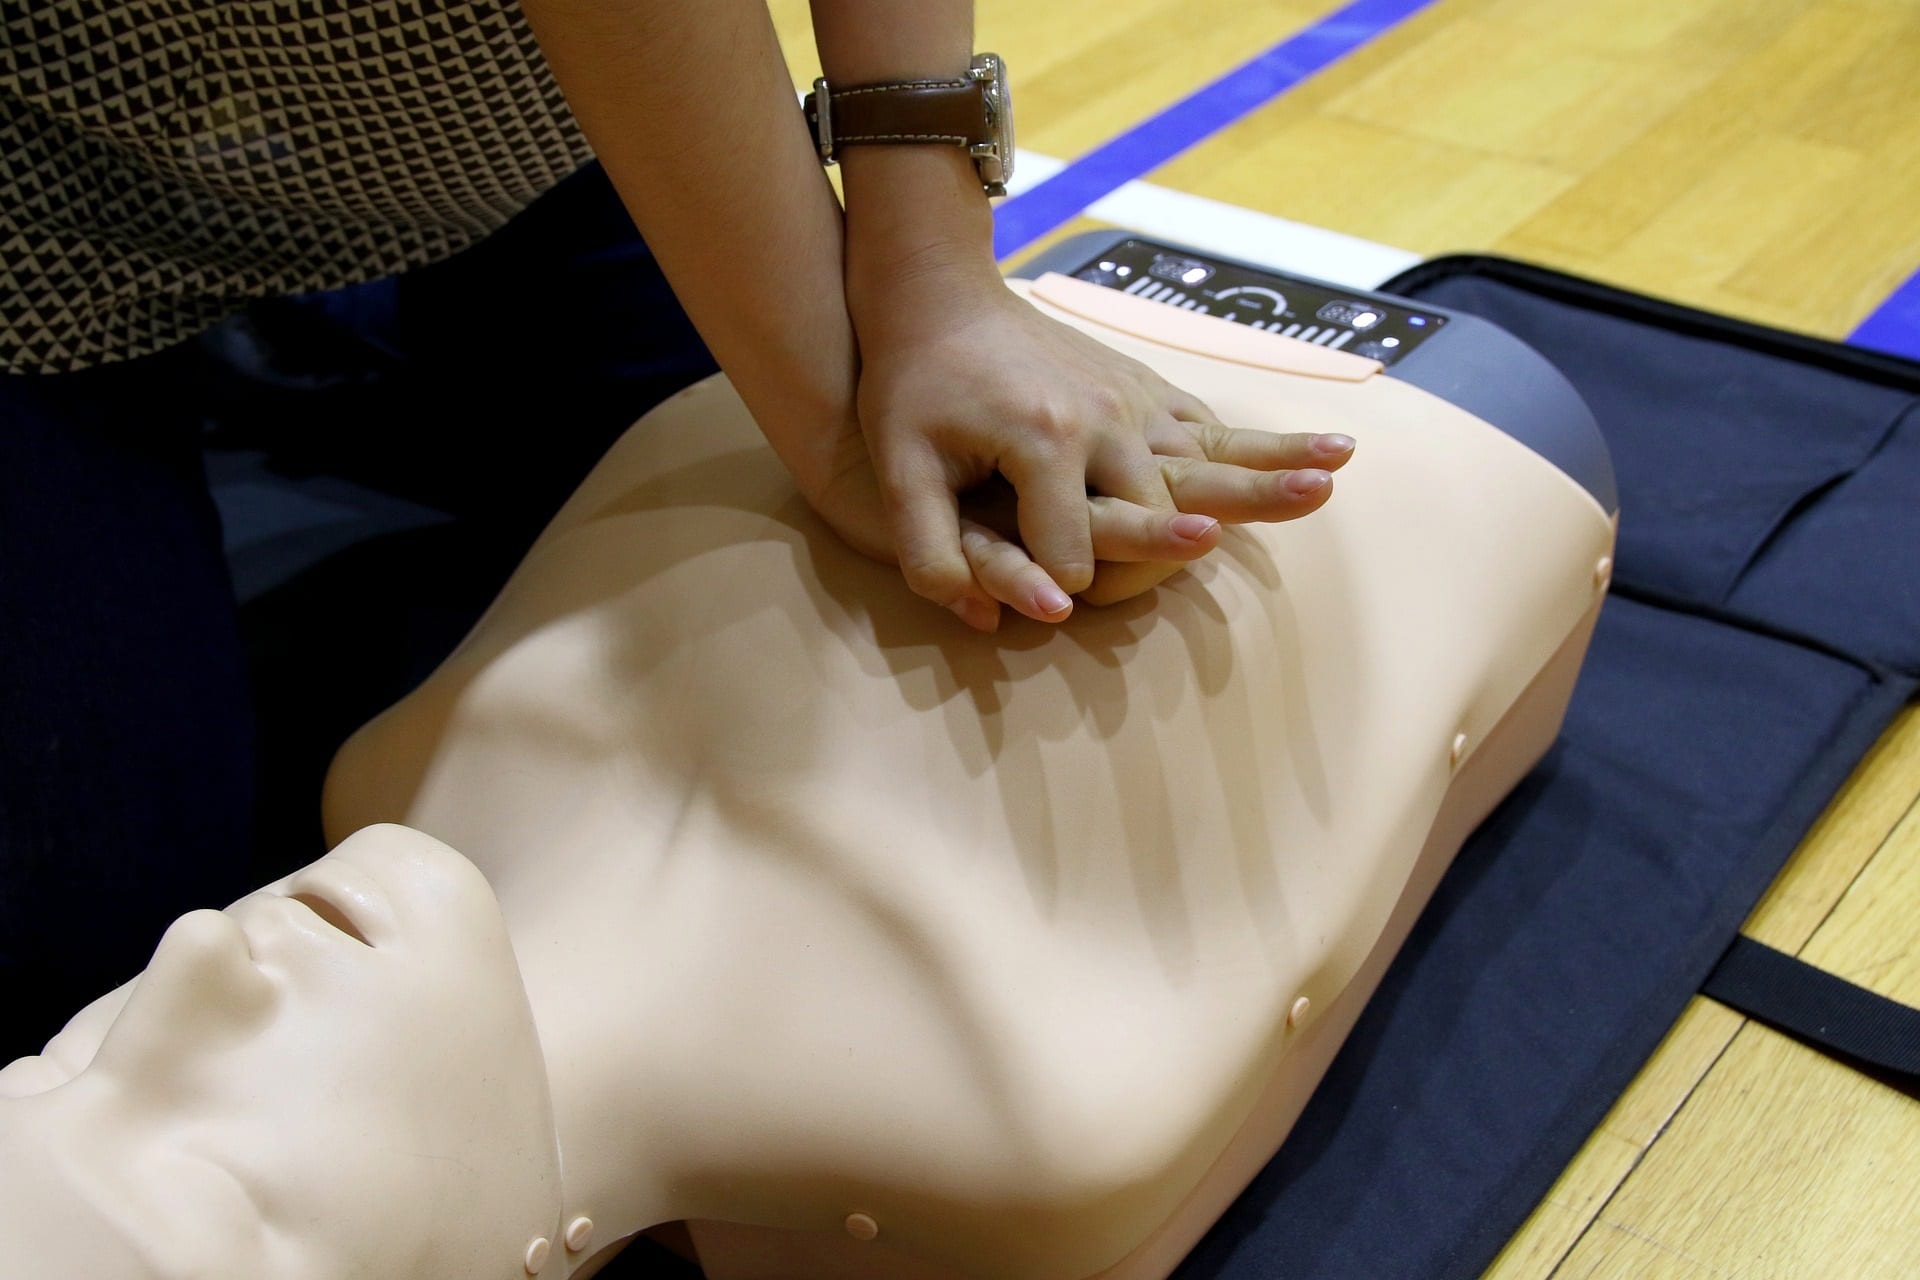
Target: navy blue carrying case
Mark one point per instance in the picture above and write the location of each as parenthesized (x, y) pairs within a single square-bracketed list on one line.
[(1764, 629)]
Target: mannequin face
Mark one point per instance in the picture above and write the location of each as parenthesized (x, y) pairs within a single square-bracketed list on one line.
[(336, 1076)]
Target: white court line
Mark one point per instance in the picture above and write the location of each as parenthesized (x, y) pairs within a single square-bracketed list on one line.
[(1230, 230)]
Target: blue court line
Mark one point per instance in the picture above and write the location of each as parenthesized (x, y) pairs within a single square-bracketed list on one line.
[(1895, 325), (1026, 217)]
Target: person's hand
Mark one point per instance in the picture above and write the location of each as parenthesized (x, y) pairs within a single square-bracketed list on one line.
[(1124, 535), (961, 381), (1213, 475)]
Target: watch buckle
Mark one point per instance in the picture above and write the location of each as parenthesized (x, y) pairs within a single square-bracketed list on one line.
[(823, 120), (988, 151)]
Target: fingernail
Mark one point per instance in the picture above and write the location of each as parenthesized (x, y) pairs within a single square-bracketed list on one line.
[(1333, 444), (1306, 482), (1051, 600), (1193, 528), (976, 613)]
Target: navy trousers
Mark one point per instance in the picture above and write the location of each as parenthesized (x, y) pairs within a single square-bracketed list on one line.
[(158, 752)]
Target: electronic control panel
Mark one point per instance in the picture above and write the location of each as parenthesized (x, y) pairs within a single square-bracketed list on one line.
[(1381, 329)]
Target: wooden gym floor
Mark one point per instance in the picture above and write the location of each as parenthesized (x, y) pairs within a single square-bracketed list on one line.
[(1759, 158)]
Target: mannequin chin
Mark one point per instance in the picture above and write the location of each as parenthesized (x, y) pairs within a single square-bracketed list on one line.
[(261, 1101)]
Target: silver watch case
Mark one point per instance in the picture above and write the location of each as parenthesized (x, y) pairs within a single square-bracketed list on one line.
[(994, 159)]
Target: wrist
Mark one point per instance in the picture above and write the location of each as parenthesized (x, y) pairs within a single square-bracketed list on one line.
[(918, 224)]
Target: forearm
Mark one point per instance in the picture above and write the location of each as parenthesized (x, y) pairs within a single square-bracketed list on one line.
[(884, 359), (916, 215), (689, 107)]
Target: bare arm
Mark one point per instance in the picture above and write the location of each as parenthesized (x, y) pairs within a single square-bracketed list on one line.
[(688, 105), (862, 368)]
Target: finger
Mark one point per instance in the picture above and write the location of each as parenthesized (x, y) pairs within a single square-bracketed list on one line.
[(1122, 466), (1176, 433), (1239, 495), (1125, 532), (1222, 443), (1009, 574), (1275, 451), (925, 517), (1053, 517), (1271, 450)]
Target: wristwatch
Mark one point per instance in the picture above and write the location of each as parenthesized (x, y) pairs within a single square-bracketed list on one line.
[(973, 111)]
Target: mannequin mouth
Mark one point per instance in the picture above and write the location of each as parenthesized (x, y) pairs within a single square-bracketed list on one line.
[(331, 913)]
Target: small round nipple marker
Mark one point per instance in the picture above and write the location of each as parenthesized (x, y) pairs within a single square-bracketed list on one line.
[(1603, 571), (1459, 750), (579, 1234), (1298, 1014), (537, 1255), (861, 1227)]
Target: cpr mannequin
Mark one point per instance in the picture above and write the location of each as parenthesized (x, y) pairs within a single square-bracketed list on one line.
[(269, 1078), (864, 944)]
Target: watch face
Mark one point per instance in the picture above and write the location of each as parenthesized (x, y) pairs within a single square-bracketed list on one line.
[(997, 168)]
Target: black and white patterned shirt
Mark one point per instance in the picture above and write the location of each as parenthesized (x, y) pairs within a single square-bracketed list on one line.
[(164, 161)]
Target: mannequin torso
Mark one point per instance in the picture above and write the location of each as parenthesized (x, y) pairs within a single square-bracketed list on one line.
[(825, 906)]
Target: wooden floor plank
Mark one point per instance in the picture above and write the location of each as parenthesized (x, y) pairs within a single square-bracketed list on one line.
[(1658, 164), (1125, 76), (1872, 937), (1568, 1210), (1741, 1185), (1879, 796)]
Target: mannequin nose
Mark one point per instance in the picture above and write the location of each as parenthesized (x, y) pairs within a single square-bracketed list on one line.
[(201, 986)]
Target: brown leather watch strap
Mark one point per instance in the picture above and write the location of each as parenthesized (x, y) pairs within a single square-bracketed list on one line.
[(952, 111)]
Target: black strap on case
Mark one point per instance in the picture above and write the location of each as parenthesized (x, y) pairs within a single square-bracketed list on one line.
[(1875, 1035)]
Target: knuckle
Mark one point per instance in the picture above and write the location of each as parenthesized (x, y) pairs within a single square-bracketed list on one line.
[(1110, 520), (1052, 426), (1178, 471), (977, 545), (932, 577), (1072, 576), (903, 479), (1107, 401), (1139, 524), (1214, 438), (1000, 558), (1151, 490), (1181, 440)]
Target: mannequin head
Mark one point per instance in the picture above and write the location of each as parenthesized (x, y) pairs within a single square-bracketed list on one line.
[(338, 1075)]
